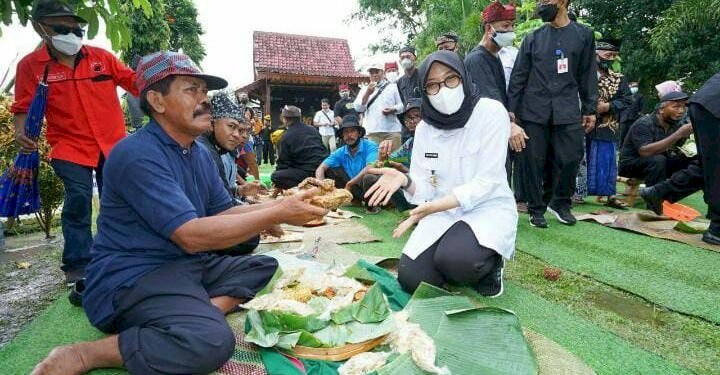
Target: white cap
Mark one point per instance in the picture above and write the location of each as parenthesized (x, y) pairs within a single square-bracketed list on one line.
[(376, 65)]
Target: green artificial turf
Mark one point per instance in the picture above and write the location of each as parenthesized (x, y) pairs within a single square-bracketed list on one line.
[(678, 276), (560, 311)]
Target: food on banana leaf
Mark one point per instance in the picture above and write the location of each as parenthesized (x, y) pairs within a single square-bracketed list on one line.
[(317, 309), (692, 227), (329, 197), (410, 337), (325, 185), (364, 363)]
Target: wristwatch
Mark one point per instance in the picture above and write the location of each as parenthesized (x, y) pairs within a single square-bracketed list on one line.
[(409, 182)]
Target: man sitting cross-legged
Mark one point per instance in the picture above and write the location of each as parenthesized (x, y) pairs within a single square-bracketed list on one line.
[(151, 283), (347, 165)]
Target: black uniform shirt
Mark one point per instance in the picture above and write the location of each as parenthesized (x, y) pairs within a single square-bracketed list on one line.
[(546, 95), (644, 131), (487, 73), (301, 148), (345, 107), (709, 96), (407, 85)]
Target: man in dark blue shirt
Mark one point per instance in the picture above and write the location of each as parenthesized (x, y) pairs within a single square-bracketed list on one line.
[(151, 280)]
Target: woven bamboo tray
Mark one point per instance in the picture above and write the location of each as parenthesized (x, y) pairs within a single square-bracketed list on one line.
[(336, 354)]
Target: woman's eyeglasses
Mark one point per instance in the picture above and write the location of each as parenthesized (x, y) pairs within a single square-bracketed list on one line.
[(64, 30), (450, 82)]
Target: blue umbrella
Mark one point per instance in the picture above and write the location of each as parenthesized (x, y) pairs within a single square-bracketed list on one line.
[(19, 191)]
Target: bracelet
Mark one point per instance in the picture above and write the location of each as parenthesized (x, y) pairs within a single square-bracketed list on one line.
[(409, 182)]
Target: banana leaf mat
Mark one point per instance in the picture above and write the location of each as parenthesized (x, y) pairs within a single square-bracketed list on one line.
[(649, 225)]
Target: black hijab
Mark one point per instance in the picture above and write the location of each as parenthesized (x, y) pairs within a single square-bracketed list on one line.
[(432, 116)]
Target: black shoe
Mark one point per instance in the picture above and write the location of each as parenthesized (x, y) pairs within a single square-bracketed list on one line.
[(538, 221), (652, 199), (76, 293), (492, 285), (563, 215), (711, 238), (71, 277)]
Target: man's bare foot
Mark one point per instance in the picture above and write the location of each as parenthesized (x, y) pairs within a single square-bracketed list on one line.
[(64, 360)]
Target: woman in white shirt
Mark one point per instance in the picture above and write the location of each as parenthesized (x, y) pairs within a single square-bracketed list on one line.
[(467, 219)]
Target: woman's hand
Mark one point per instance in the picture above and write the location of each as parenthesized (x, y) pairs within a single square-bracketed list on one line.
[(391, 180), (415, 216)]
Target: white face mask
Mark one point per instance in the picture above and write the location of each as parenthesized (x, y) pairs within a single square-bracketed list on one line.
[(634, 90), (448, 101), (392, 76), (407, 64), (68, 44), (504, 38)]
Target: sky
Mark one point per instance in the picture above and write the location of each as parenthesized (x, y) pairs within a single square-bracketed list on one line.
[(229, 25)]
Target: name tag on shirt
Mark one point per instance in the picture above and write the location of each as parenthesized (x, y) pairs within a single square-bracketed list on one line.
[(563, 66), (431, 155)]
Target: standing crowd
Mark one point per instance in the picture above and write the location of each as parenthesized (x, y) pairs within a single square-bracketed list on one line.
[(463, 143)]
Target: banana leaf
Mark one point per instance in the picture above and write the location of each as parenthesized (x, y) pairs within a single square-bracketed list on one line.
[(469, 339), (372, 308), (692, 227)]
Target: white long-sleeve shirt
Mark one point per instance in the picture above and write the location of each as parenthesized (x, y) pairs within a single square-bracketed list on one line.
[(375, 121), (470, 164)]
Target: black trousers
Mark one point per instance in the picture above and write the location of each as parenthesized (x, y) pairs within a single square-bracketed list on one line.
[(455, 258), (549, 165), (268, 152), (514, 174), (652, 169), (703, 173), (289, 178), (76, 214), (244, 248), (166, 322)]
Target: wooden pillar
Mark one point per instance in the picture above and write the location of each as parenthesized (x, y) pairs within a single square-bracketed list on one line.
[(268, 97)]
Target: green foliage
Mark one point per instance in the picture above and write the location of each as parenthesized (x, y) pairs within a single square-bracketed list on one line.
[(112, 12), (662, 39), (392, 15), (172, 26)]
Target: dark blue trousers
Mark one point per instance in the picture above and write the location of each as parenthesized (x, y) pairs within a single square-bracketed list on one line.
[(166, 321), (76, 215)]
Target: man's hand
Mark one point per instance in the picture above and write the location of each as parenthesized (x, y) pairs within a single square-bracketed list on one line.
[(686, 130), (350, 184), (295, 211), (389, 111), (249, 189), (384, 150), (391, 180), (517, 138), (26, 144), (589, 123), (371, 87), (275, 231), (399, 166), (603, 107)]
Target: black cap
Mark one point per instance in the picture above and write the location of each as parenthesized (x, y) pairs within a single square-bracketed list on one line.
[(53, 8), (413, 103), (351, 121), (674, 96), (608, 44), (408, 49)]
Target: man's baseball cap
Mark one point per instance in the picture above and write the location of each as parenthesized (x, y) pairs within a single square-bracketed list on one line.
[(376, 66), (413, 103), (155, 67), (53, 8)]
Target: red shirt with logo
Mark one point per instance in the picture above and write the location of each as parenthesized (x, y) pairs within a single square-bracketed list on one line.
[(84, 117)]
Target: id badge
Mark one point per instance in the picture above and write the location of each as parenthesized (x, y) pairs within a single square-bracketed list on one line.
[(563, 66)]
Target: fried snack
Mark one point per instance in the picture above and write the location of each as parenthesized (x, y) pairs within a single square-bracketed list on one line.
[(360, 294), (330, 292), (332, 200), (298, 293), (326, 185)]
